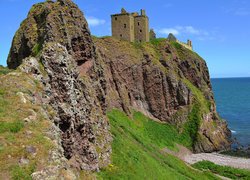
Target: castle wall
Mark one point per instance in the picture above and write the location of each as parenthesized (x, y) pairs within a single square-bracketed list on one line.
[(152, 34), (130, 27), (141, 28), (188, 46), (123, 27)]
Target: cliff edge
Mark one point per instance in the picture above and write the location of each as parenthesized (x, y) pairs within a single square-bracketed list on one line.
[(167, 82), (82, 77)]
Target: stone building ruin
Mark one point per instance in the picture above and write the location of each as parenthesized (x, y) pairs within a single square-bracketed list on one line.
[(132, 27)]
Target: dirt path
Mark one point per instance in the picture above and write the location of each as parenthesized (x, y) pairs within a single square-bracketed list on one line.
[(224, 160)]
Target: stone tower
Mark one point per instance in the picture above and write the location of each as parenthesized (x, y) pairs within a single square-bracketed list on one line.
[(189, 43), (130, 26), (123, 26), (141, 27)]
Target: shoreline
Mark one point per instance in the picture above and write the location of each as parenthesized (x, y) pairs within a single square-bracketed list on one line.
[(220, 159)]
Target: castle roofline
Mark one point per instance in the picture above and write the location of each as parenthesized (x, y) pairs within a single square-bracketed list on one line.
[(125, 14), (130, 14), (134, 14)]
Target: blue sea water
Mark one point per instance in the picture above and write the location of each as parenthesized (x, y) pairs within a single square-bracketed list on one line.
[(232, 96)]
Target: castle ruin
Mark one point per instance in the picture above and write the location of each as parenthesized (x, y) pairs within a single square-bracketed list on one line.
[(134, 27), (130, 26), (187, 45)]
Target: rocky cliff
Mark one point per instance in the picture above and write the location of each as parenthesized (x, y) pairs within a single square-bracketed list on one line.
[(83, 77), (165, 81), (54, 45)]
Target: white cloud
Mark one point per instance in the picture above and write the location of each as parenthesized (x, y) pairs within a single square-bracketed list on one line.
[(182, 30), (93, 21), (167, 31), (199, 34)]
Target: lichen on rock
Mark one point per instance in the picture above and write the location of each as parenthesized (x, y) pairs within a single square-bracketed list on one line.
[(54, 45)]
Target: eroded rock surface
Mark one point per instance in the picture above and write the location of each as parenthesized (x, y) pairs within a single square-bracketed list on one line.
[(54, 45), (164, 81)]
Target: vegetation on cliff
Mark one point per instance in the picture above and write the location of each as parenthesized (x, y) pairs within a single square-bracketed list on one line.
[(23, 126), (138, 150), (66, 82), (166, 81), (225, 171)]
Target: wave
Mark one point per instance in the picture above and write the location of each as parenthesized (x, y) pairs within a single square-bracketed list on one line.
[(234, 132)]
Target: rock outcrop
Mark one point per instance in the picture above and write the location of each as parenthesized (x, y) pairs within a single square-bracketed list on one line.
[(55, 46), (161, 79), (164, 80)]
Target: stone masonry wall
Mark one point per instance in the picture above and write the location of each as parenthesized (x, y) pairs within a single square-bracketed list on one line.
[(123, 27)]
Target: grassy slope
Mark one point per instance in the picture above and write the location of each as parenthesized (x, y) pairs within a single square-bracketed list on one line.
[(15, 134), (137, 151), (225, 171)]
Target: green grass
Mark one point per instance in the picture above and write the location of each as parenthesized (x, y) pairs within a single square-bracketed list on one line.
[(199, 97), (137, 150), (22, 172), (177, 45), (37, 49), (191, 127), (157, 41), (13, 127), (225, 171), (4, 70), (13, 130)]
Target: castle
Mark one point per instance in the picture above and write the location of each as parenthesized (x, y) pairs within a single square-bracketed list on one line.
[(130, 26), (134, 27)]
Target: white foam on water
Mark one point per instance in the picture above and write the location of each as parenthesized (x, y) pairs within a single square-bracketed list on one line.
[(234, 132)]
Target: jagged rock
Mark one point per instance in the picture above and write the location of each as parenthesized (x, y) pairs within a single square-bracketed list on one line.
[(24, 161), (154, 80), (51, 172), (30, 150), (23, 99), (54, 45), (79, 83), (59, 21)]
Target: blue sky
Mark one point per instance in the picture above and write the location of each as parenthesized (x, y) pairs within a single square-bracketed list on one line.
[(219, 29)]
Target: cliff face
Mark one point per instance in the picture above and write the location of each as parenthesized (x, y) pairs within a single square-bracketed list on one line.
[(54, 45), (165, 81), (82, 79)]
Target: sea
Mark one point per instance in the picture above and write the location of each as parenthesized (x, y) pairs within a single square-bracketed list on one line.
[(232, 96)]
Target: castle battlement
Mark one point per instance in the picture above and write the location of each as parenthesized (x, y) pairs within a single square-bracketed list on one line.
[(130, 26)]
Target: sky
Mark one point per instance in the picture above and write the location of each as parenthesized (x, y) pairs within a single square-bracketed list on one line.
[(219, 29)]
